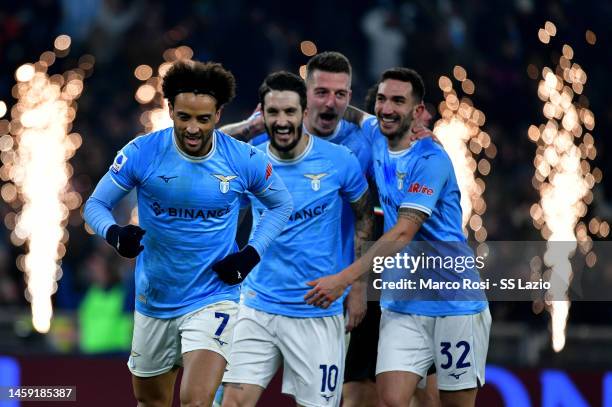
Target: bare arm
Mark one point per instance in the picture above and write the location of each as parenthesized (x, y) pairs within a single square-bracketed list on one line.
[(328, 289), (364, 222), (356, 301), (355, 115), (246, 129), (408, 224)]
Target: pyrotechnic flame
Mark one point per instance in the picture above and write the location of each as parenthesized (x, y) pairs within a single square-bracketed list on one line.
[(563, 178), (35, 162), (460, 132)]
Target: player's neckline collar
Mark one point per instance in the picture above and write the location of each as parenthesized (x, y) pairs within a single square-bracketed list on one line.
[(400, 152), (294, 160), (192, 158)]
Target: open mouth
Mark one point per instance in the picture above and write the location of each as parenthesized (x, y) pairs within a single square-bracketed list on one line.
[(328, 117), (283, 134), (192, 140), (388, 121)]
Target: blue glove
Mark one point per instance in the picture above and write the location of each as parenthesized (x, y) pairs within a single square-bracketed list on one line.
[(234, 268), (125, 239)]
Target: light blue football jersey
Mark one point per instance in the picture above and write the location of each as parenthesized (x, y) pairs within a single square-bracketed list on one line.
[(360, 143), (308, 247), (188, 207), (422, 177)]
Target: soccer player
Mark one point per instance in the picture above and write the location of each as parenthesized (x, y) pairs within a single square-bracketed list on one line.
[(421, 202), (328, 90), (328, 83), (189, 180), (275, 325), (359, 388)]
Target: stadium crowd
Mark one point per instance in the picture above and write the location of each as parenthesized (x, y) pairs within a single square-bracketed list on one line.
[(494, 42)]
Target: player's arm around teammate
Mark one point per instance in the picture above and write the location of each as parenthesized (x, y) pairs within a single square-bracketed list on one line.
[(406, 360)]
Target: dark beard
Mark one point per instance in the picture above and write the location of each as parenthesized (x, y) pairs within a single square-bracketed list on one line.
[(403, 129), (289, 147)]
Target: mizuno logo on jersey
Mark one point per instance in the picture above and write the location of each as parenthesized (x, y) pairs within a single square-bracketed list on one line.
[(224, 181), (315, 180), (417, 188), (166, 179)]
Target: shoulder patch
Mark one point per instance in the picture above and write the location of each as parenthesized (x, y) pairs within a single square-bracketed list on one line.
[(268, 171), (119, 162)]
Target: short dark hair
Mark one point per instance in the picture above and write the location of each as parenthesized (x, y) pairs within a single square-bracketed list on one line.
[(210, 78), (283, 80), (329, 61), (407, 75)]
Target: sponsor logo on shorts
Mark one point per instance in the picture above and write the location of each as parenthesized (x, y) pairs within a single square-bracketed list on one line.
[(221, 343), (457, 375), (327, 397)]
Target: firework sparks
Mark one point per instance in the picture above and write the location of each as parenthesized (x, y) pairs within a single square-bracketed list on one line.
[(35, 151), (470, 148), (563, 177)]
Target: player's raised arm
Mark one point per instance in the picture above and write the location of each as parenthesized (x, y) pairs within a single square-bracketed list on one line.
[(119, 180), (247, 129), (327, 289)]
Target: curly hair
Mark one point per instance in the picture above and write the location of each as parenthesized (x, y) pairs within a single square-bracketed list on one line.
[(210, 78)]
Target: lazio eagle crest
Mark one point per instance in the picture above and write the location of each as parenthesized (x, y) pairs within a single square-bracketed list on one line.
[(400, 179), (315, 180), (224, 181)]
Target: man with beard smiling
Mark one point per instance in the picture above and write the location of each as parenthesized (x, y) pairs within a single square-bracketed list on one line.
[(275, 324), (328, 90), (189, 180), (421, 201)]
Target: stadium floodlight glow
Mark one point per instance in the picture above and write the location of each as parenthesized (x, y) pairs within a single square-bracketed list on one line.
[(563, 179), (460, 133), (35, 163)]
